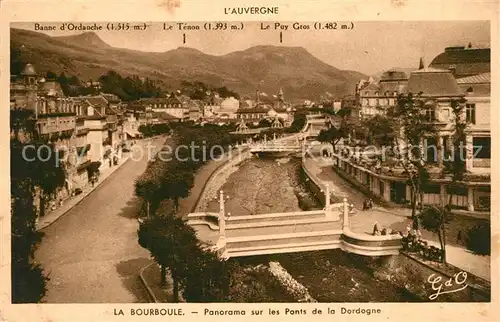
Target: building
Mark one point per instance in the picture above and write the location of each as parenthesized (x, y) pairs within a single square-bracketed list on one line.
[(253, 115), (463, 75), (56, 123), (171, 105), (376, 96)]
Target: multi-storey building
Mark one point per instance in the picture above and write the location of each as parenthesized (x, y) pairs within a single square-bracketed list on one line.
[(375, 97), (55, 120), (438, 88)]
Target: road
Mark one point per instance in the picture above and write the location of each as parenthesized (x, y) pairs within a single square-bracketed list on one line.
[(91, 254)]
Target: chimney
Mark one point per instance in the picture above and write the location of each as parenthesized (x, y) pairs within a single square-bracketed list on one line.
[(421, 65), (257, 96)]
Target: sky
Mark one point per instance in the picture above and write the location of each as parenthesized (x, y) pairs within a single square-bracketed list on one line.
[(370, 47)]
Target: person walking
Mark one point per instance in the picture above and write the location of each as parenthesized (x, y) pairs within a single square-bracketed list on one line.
[(376, 230), (365, 205), (459, 237)]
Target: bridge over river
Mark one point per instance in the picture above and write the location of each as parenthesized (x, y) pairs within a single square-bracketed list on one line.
[(249, 235)]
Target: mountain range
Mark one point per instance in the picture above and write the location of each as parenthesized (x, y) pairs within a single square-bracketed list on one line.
[(264, 68)]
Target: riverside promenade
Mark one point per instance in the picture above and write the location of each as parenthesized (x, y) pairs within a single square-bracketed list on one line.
[(395, 218)]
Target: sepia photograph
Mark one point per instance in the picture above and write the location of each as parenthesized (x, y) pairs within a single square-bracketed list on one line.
[(250, 162)]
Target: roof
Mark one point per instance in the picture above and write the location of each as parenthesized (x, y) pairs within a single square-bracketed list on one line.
[(391, 75), (29, 70), (111, 97), (476, 79), (93, 117), (280, 109), (433, 82), (51, 88), (96, 100), (153, 100), (252, 110), (457, 55)]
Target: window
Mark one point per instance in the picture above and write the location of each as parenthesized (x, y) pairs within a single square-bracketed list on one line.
[(446, 114), (470, 113), (482, 147), (446, 144), (430, 114), (431, 152), (470, 90)]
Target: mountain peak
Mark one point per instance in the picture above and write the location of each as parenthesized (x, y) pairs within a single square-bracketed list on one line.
[(84, 39), (188, 50)]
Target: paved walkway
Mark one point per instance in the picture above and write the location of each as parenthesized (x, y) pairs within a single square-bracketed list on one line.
[(394, 218), (68, 204)]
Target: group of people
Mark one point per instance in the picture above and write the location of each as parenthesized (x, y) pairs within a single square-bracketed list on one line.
[(413, 243), (384, 231), (368, 204)]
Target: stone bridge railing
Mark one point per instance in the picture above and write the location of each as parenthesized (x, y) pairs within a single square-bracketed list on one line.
[(236, 236)]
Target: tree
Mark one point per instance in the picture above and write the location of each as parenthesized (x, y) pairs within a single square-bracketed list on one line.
[(207, 279), (177, 181), (434, 218), (453, 166), (454, 160), (171, 243), (299, 120), (411, 125), (334, 134), (378, 130), (264, 123), (479, 239)]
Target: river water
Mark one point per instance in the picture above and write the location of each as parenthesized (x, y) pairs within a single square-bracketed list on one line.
[(262, 186)]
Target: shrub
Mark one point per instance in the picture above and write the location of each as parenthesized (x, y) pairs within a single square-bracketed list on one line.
[(479, 239)]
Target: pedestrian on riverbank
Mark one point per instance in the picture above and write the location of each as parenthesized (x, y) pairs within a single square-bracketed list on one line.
[(365, 205)]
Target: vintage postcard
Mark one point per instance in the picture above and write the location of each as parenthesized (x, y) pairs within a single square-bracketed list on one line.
[(212, 160)]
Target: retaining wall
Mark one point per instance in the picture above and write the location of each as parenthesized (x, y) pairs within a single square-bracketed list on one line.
[(415, 275)]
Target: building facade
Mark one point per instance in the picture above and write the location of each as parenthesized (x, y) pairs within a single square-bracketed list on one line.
[(438, 88)]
